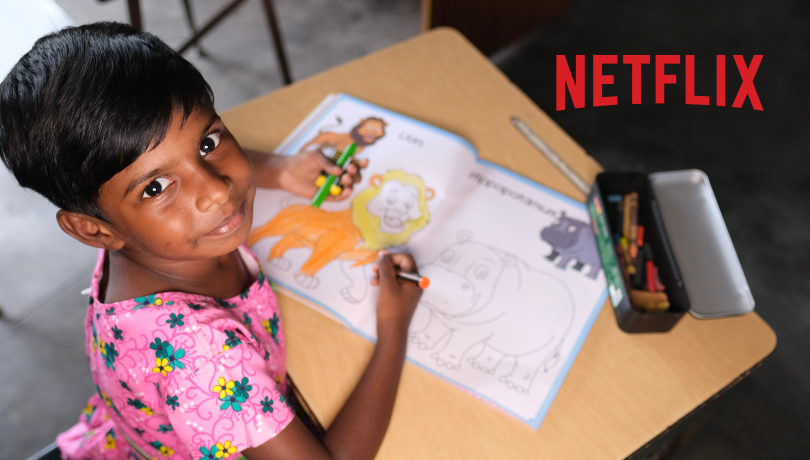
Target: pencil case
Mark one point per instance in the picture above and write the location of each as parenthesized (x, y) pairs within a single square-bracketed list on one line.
[(695, 259)]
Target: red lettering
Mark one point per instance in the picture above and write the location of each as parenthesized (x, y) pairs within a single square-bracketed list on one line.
[(575, 87), (636, 60), (661, 78), (599, 79), (690, 83), (747, 87), (721, 80)]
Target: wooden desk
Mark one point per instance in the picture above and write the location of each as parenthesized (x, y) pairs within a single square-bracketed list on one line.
[(622, 391)]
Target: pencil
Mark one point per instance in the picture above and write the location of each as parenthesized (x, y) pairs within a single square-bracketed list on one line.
[(633, 236)]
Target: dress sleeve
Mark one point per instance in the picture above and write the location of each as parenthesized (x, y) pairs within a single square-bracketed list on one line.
[(230, 402)]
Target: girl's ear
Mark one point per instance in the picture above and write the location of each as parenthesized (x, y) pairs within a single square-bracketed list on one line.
[(89, 230)]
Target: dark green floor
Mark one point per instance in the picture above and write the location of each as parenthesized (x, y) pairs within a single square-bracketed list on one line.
[(758, 164)]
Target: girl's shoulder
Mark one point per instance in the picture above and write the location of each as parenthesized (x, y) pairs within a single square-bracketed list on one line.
[(198, 327), (195, 361), (260, 292)]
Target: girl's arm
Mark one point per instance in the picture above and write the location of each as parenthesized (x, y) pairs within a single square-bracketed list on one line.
[(297, 173), (359, 428)]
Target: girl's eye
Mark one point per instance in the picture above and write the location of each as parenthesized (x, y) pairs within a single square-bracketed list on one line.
[(208, 144), (156, 187)]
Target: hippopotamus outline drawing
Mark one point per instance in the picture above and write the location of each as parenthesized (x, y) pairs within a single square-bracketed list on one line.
[(517, 316), (572, 240)]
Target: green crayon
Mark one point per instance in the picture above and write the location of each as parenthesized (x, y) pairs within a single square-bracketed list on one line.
[(326, 187)]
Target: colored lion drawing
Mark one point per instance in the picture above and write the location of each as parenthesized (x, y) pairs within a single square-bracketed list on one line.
[(391, 209), (385, 214)]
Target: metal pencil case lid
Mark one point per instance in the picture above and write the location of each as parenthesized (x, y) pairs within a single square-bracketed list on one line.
[(700, 242)]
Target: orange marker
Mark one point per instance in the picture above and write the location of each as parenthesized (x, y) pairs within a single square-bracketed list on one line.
[(410, 278), (640, 238)]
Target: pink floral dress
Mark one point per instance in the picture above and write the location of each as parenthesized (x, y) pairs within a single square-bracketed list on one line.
[(181, 375)]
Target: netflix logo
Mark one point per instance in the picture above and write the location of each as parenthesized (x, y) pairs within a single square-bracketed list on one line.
[(664, 65)]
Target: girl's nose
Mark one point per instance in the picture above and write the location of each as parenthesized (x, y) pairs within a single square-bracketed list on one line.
[(213, 189)]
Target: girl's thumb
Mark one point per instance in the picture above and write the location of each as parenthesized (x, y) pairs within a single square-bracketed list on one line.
[(328, 165), (385, 266)]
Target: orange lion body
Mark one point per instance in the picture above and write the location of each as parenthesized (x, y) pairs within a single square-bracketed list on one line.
[(330, 235)]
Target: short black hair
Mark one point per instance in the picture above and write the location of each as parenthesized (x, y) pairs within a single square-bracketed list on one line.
[(85, 103)]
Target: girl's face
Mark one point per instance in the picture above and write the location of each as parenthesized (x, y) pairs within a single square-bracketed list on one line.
[(189, 198)]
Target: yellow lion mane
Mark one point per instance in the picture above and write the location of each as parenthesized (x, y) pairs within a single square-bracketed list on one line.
[(369, 225)]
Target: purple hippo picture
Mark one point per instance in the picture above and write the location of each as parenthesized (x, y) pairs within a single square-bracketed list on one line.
[(490, 310), (571, 239)]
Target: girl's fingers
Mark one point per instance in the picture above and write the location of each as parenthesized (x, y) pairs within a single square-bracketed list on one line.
[(387, 264), (326, 164), (405, 262), (347, 190), (385, 268), (352, 176), (348, 178)]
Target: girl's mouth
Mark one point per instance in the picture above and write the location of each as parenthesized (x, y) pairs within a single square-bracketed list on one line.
[(231, 222)]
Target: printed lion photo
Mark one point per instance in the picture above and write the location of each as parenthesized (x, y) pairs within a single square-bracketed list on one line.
[(365, 133)]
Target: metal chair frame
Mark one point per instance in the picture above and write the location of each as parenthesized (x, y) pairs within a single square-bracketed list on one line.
[(136, 20)]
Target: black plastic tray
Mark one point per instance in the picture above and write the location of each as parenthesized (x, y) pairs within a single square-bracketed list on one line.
[(628, 318)]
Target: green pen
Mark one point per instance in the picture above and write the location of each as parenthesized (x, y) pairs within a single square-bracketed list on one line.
[(329, 185)]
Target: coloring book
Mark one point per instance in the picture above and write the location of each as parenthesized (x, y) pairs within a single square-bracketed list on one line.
[(515, 277)]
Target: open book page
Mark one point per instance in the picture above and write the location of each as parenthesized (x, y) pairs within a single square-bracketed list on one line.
[(326, 255), (515, 277), (516, 284)]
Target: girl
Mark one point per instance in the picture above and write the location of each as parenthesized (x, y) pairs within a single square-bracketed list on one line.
[(183, 331)]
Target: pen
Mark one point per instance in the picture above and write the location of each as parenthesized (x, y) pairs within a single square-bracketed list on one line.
[(410, 278), (329, 184)]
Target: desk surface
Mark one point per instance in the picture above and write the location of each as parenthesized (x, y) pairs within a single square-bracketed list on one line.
[(622, 391)]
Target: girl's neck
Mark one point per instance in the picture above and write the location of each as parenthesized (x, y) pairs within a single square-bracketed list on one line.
[(126, 277)]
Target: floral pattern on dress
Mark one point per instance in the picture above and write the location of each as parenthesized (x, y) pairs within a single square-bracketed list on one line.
[(271, 327), (182, 376)]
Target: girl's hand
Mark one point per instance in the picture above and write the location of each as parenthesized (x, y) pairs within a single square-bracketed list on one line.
[(297, 173), (360, 426), (358, 430), (397, 302)]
